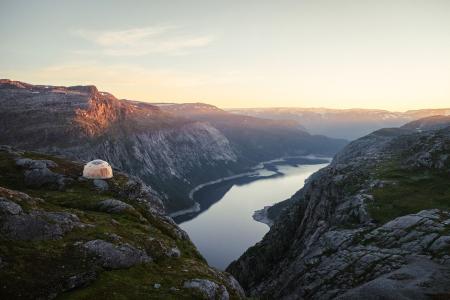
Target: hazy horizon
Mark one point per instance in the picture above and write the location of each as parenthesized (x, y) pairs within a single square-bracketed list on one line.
[(245, 107), (390, 55)]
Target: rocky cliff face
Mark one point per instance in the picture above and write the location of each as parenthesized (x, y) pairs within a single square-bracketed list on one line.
[(171, 160), (172, 152), (374, 224), (83, 123), (65, 236)]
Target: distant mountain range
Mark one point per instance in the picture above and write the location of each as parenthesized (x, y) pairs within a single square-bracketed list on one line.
[(173, 148), (257, 138), (341, 123)]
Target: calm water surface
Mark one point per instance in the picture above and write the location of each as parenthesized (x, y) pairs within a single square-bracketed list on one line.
[(225, 228)]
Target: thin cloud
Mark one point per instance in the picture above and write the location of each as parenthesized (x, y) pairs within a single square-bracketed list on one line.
[(118, 76), (110, 38), (141, 41)]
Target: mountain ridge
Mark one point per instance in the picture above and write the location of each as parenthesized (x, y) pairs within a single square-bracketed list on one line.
[(379, 210), (172, 152), (342, 123)]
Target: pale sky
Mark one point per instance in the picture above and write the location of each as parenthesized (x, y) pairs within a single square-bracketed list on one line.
[(389, 54)]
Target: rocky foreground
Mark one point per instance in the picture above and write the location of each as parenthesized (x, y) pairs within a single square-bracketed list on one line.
[(63, 236), (374, 224)]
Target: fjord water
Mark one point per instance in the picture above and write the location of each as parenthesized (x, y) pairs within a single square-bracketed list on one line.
[(226, 229)]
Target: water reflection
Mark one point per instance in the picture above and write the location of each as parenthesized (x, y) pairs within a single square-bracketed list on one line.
[(224, 228)]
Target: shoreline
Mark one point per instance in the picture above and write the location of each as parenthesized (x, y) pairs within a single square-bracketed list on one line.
[(261, 216), (252, 172), (196, 207), (193, 209)]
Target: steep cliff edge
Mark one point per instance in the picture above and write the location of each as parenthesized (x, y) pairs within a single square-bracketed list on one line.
[(171, 152), (64, 236), (374, 224)]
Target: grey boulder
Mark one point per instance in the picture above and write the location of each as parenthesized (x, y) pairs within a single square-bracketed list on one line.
[(173, 252), (38, 174), (101, 185), (208, 289), (116, 256), (9, 208), (15, 224), (114, 206), (35, 164)]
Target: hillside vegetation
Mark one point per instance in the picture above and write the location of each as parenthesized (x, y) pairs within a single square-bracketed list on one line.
[(63, 236)]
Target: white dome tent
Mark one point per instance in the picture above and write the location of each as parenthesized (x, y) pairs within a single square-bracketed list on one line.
[(97, 169)]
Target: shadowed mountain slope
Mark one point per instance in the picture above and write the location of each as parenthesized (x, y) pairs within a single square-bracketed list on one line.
[(374, 224), (172, 152)]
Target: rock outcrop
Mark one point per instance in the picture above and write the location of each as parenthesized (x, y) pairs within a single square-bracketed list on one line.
[(378, 213), (207, 289), (116, 256), (37, 225), (83, 242), (114, 206), (38, 174), (417, 279)]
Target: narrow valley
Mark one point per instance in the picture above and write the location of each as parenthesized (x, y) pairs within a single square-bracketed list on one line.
[(225, 228)]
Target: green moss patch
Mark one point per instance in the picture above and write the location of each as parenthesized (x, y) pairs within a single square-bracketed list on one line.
[(37, 269), (409, 191)]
